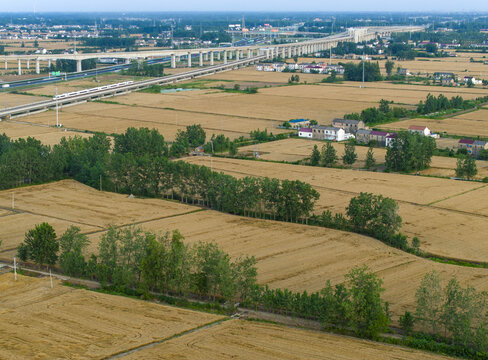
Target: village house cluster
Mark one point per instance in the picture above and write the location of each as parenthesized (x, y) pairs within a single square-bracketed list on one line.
[(344, 129), (308, 68)]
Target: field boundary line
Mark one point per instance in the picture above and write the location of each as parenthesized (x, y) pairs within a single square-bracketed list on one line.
[(162, 341), (146, 221), (455, 195)]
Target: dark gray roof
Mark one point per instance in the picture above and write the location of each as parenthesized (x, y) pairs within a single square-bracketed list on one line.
[(345, 121), (479, 142), (363, 132)]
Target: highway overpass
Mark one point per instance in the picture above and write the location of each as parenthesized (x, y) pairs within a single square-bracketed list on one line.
[(222, 53)]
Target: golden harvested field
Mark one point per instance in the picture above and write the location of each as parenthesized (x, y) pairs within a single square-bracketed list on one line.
[(301, 257), (441, 230), (48, 136), (116, 118), (68, 202), (10, 100), (246, 340), (66, 323), (472, 124), (291, 150), (298, 257), (250, 74)]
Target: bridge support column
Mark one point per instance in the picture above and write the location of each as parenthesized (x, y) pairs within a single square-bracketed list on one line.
[(237, 54), (205, 56), (28, 64), (6, 65), (127, 61), (189, 59), (49, 64), (19, 67), (283, 52), (200, 59), (225, 57), (211, 58), (218, 55), (173, 61), (78, 66), (38, 70), (249, 53)]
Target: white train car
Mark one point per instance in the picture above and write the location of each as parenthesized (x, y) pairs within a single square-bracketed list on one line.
[(92, 90)]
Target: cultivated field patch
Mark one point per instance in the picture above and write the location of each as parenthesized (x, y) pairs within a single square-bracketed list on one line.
[(443, 231), (66, 323), (245, 340), (471, 124)]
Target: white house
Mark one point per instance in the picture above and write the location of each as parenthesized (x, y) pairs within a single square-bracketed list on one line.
[(473, 79), (334, 133), (422, 130), (292, 66), (305, 133)]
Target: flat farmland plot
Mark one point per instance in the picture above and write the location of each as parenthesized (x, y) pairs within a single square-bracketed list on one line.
[(301, 257), (10, 100), (473, 123), (115, 118), (66, 323), (291, 150), (372, 93), (260, 105), (68, 202), (443, 231), (252, 75), (245, 340), (46, 135)]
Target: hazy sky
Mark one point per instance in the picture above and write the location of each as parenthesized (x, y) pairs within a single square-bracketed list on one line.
[(249, 5)]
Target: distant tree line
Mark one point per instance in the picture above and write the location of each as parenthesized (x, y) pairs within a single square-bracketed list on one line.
[(144, 69), (109, 42), (354, 72), (139, 164)]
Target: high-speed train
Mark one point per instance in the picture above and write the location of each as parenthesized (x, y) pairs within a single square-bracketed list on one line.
[(87, 91)]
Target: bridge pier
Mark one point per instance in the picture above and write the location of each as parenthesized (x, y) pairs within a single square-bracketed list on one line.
[(78, 66), (225, 56), (205, 56), (218, 55), (189, 59), (173, 61), (38, 70), (49, 64), (237, 54), (6, 65), (19, 67), (28, 64), (127, 61), (249, 53), (211, 58), (200, 59)]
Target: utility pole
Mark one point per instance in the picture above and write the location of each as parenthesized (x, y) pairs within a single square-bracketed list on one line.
[(100, 182), (57, 111), (13, 201), (363, 68), (15, 269)]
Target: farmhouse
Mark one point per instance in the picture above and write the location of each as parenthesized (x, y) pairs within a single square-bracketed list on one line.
[(362, 136), (350, 126), (422, 130), (328, 133), (473, 147), (379, 137), (338, 69), (305, 133), (438, 76)]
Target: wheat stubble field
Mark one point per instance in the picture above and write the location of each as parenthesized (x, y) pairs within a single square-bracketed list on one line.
[(292, 150), (294, 256), (247, 340), (442, 229), (63, 322)]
